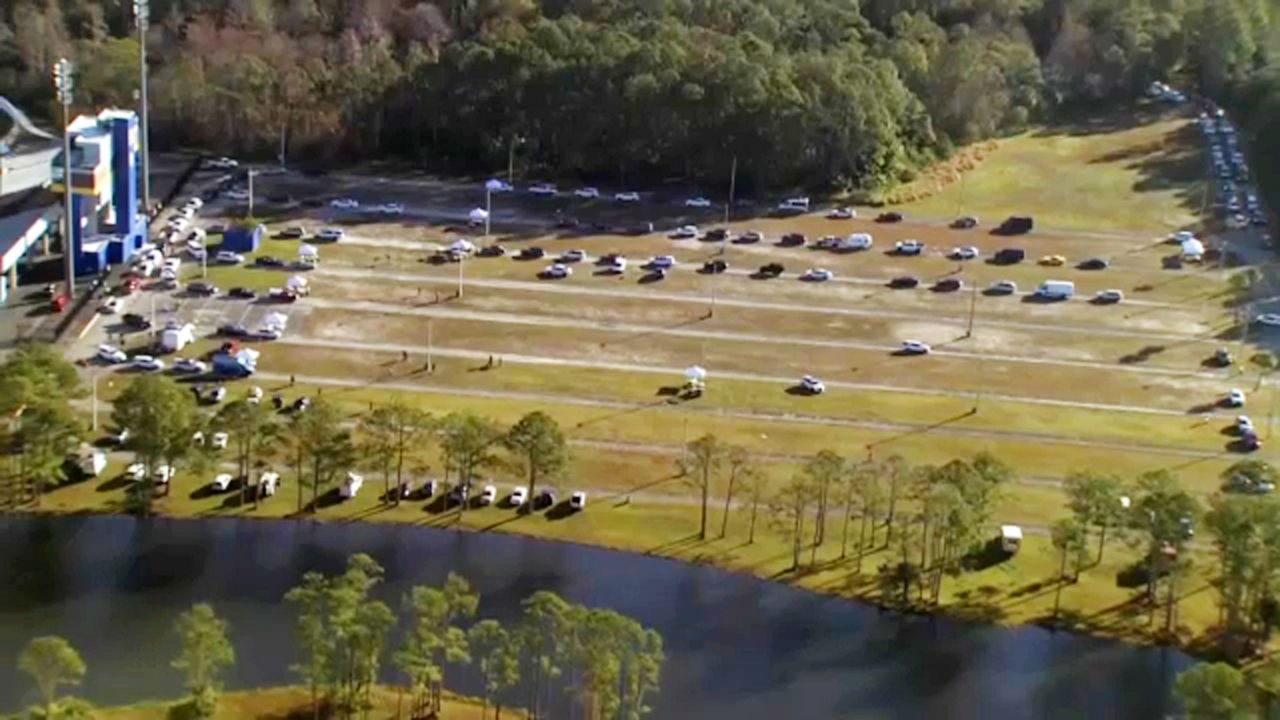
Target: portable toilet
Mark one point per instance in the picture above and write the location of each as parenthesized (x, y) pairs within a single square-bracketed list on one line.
[(1192, 250), (243, 238), (1010, 538), (267, 483), (91, 461), (308, 255), (351, 486), (175, 337)]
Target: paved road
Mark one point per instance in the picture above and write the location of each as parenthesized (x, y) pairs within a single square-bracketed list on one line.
[(563, 288), (794, 418), (446, 312)]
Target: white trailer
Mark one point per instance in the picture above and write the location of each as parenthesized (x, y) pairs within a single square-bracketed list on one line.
[(1056, 289)]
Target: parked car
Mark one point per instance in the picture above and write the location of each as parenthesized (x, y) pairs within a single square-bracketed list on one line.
[(889, 217), (1093, 263), (967, 252), (1009, 256), (556, 271), (330, 234), (202, 288), (111, 354), (135, 321), (572, 256), (344, 203), (716, 235), (908, 247), (110, 306), (1271, 319), (1222, 357), (627, 196), (1016, 225), (714, 267), (948, 285), (1108, 297), (749, 237), (148, 363), (238, 195), (904, 281), (531, 253), (842, 213), (1244, 424), (1002, 287), (488, 495), (915, 347), (817, 275), (578, 500), (792, 240), (968, 222), (587, 192), (697, 202), (494, 250), (812, 385), (293, 232), (1053, 260), (1234, 398), (770, 270), (519, 496), (545, 498), (234, 329), (661, 262), (189, 365), (545, 189), (684, 232), (222, 163), (242, 293)]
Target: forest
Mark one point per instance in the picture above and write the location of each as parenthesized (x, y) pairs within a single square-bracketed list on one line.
[(828, 93)]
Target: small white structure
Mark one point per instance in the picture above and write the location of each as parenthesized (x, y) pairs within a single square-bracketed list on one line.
[(221, 482), (1010, 538), (695, 377), (351, 486), (91, 461), (164, 474), (197, 438), (219, 441), (461, 246), (267, 484), (176, 337), (1192, 250), (299, 286), (308, 255), (478, 216)]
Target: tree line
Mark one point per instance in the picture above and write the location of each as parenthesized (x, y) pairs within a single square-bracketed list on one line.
[(557, 655), (818, 92)]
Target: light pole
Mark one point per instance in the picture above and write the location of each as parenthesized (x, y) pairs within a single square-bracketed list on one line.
[(141, 15), (488, 209), (250, 172), (733, 185), (462, 260), (96, 377), (63, 80)]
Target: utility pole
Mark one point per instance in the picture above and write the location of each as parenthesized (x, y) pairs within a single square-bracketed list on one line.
[(430, 366), (142, 14), (733, 186), (973, 309), (249, 173), (462, 260), (488, 208), (977, 395), (63, 71), (1245, 322)]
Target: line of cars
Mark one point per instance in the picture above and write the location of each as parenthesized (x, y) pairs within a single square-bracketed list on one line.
[(1236, 199)]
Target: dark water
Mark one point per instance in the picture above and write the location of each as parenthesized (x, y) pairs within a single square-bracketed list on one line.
[(738, 648)]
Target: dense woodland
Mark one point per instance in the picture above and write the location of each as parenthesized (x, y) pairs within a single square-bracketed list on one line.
[(811, 92)]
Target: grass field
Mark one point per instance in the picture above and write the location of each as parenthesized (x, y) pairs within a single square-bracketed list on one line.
[(1058, 387), (1127, 173), (290, 702)]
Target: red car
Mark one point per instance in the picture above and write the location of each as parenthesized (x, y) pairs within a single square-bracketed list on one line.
[(130, 285), (58, 302)]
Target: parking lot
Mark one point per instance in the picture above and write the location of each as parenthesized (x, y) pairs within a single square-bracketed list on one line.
[(1051, 386)]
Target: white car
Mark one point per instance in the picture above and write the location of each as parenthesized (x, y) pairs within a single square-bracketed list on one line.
[(543, 189), (255, 394), (111, 354), (111, 306), (967, 252), (147, 362), (1109, 297), (573, 256), (220, 441), (684, 232), (915, 347), (627, 196), (812, 385), (196, 251), (392, 209), (238, 195), (330, 234), (221, 482), (661, 262), (194, 202), (1272, 319), (817, 275), (859, 241), (519, 496), (1234, 398), (226, 257), (136, 471), (795, 204), (1002, 287), (488, 495), (587, 192), (908, 247), (498, 186), (557, 271), (1244, 424), (164, 474), (189, 365), (344, 203), (578, 500), (842, 213), (1183, 236), (751, 236), (222, 163), (697, 202)]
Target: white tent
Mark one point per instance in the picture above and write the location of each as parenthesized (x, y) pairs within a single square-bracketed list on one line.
[(478, 215), (298, 285), (275, 320), (494, 185), (306, 251), (695, 373), (461, 245)]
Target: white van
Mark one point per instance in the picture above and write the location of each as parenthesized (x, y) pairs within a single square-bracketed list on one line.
[(1010, 538), (856, 241), (1056, 289)]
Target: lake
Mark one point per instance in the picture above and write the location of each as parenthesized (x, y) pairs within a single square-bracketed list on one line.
[(737, 647)]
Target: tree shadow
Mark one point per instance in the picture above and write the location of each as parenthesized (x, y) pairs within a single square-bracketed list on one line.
[(991, 553), (560, 511), (119, 482), (1142, 355)]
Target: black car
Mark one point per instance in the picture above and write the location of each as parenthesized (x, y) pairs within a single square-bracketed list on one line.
[(136, 321), (242, 292), (609, 259), (531, 253), (1093, 264), (770, 270), (1009, 256), (267, 261), (202, 288), (715, 267), (965, 223), (906, 281), (292, 233), (889, 217), (947, 285), (793, 240), (491, 251), (1222, 357), (233, 330), (544, 499), (301, 404), (716, 235), (1016, 225)]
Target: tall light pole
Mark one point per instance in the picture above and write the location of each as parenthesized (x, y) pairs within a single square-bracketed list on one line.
[(141, 16), (63, 70)]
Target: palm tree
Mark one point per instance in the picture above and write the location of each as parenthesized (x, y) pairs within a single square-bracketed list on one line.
[(539, 446), (393, 435), (698, 467)]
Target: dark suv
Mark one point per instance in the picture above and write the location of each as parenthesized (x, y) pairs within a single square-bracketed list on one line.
[(1009, 256)]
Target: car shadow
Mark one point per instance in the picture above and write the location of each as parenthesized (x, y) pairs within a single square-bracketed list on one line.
[(799, 391), (650, 278), (560, 511), (1041, 300)]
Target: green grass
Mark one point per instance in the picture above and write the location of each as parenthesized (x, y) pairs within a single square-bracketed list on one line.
[(279, 703), (1127, 172)]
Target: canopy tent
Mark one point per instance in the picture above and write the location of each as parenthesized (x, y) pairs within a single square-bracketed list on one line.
[(494, 185), (306, 251), (478, 215), (1192, 249), (695, 373), (461, 245), (298, 285)]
